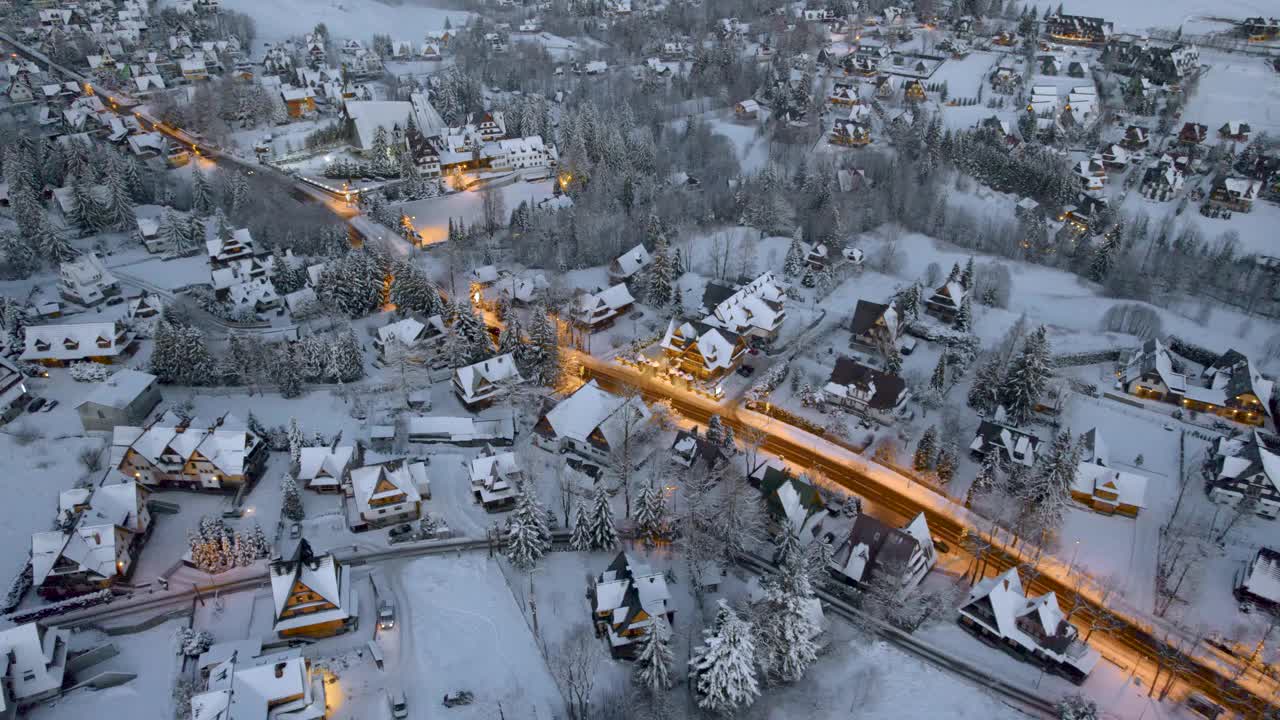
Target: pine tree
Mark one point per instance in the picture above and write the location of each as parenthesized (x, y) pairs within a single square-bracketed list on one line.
[(295, 445), (1050, 490), (984, 394), (1027, 377), (794, 264), (715, 431), (603, 535), (543, 349), (348, 358), (966, 277), (893, 360), (201, 193), (964, 318), (653, 665), (580, 540), (925, 449), (786, 648), (651, 513), (946, 468), (938, 381), (528, 531), (172, 230), (413, 292), (987, 477), (119, 202), (87, 214), (291, 500), (724, 665), (1104, 257), (660, 289)]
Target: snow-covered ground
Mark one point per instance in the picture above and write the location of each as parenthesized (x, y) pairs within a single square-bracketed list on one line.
[(431, 216), (1235, 88), (1136, 15)]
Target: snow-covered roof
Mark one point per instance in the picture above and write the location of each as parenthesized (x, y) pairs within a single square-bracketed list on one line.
[(280, 686), (101, 516), (715, 345), (225, 444), (75, 341), (1008, 602), (369, 115), (119, 390), (32, 663), (425, 428), (1095, 480), (322, 575), (1261, 576), (410, 330), (322, 465), (756, 305), (478, 380), (589, 409)]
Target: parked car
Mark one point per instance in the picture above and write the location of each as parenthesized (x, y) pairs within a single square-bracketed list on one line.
[(401, 530), (746, 371), (386, 615), (49, 406), (35, 405), (399, 707)]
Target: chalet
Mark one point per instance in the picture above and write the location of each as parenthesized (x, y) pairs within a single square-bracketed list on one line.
[(241, 687), (1092, 174), (325, 469), (747, 109), (193, 68), (1006, 80), (299, 102), (479, 384), (420, 338), (1103, 488), (496, 479), (1192, 134), (792, 502), (754, 310), (1235, 193), (1077, 29), (945, 302), (57, 345), (689, 447), (1247, 465), (594, 311), (13, 390), (86, 281), (190, 454), (629, 263), (1235, 131), (625, 600), (592, 423), (224, 252), (36, 664), (99, 533), (484, 275), (462, 431), (1260, 29), (1234, 390), (253, 295), (865, 390), (1136, 138), (850, 134), (311, 595), (702, 350), (1257, 582), (913, 91), (1162, 180), (1031, 628), (389, 492), (843, 93), (1114, 157), (886, 86), (125, 398), (874, 550), (1012, 444)]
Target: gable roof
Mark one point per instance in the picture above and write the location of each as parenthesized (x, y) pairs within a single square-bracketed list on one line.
[(884, 389), (589, 409), (75, 341), (871, 545), (322, 574), (631, 261)]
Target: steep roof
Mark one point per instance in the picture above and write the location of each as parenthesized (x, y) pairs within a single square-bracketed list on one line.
[(590, 408), (322, 574)]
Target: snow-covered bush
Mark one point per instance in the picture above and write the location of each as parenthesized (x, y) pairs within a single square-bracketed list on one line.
[(89, 372), (193, 643)]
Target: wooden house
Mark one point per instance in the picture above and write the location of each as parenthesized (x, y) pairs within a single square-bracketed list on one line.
[(311, 594)]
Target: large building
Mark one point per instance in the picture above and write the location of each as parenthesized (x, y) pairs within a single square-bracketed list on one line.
[(1247, 466), (704, 351), (125, 398), (389, 492), (626, 598), (171, 452), (57, 345), (277, 687), (311, 594), (35, 665), (874, 550), (1230, 387), (592, 423), (86, 281), (100, 532)]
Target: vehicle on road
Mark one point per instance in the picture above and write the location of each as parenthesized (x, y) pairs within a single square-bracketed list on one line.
[(401, 530), (386, 615), (399, 707), (462, 697), (35, 405)]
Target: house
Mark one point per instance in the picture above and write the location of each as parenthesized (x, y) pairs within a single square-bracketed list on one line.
[(35, 665), (1247, 465), (241, 687), (1235, 193), (57, 345), (368, 116), (850, 134), (253, 295), (1136, 138), (843, 93), (873, 550), (13, 390), (190, 454), (1258, 581), (1114, 157), (1162, 180), (125, 398), (1077, 29), (193, 68), (945, 302), (300, 102), (866, 390), (462, 431), (625, 600), (754, 310), (1012, 444), (1192, 134), (1031, 628), (592, 423), (629, 263), (479, 384), (874, 326), (99, 533), (689, 447), (747, 109), (1231, 388), (224, 252), (86, 281), (913, 91), (598, 310), (311, 594), (495, 479), (792, 502), (1099, 486), (1235, 131), (145, 307), (703, 351), (325, 469), (420, 337), (389, 492)]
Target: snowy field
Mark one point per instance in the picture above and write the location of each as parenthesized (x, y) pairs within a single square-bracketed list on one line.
[(964, 76), (751, 143), (1236, 87), (431, 216), (1138, 15)]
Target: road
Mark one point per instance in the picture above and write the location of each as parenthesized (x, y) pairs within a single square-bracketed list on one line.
[(1202, 669)]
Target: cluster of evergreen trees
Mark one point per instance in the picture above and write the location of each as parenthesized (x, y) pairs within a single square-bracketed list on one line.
[(217, 548), (1014, 382)]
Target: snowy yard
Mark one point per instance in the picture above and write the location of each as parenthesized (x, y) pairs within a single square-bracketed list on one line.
[(1235, 88), (431, 216), (1139, 16)]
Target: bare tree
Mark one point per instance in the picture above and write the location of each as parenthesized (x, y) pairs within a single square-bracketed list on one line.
[(574, 664), (1239, 515), (632, 432)]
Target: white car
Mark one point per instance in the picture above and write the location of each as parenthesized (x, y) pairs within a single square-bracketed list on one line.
[(399, 708)]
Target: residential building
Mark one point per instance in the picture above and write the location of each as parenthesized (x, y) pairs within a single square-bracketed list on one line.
[(1257, 582), (420, 337), (873, 550), (325, 469), (703, 351), (86, 281), (1162, 180), (1246, 466), (595, 311), (13, 390), (479, 384), (1136, 138), (625, 600), (1235, 131), (790, 501), (689, 447), (125, 398), (389, 492), (57, 345), (495, 479), (747, 109), (866, 390), (1235, 193), (100, 532), (629, 263), (593, 423), (1077, 29), (945, 302), (1192, 134), (311, 594), (1231, 388), (753, 310), (850, 133), (1103, 488), (282, 686), (522, 153), (462, 431), (224, 252), (299, 102), (874, 326), (145, 307), (171, 452), (1012, 444), (1031, 628), (35, 665)]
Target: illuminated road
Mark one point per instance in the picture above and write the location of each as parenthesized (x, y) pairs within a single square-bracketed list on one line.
[(1203, 670)]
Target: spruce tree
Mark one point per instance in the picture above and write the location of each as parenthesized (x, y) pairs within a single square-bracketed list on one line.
[(295, 445), (528, 531), (715, 431), (201, 193), (964, 318), (925, 450), (119, 201), (946, 468), (723, 667), (1027, 377), (893, 360), (603, 535), (511, 338), (653, 665), (984, 394), (87, 214), (786, 648), (172, 230), (794, 264), (348, 358), (966, 277), (580, 540), (651, 513), (938, 381), (954, 275), (660, 288), (543, 349), (291, 500)]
